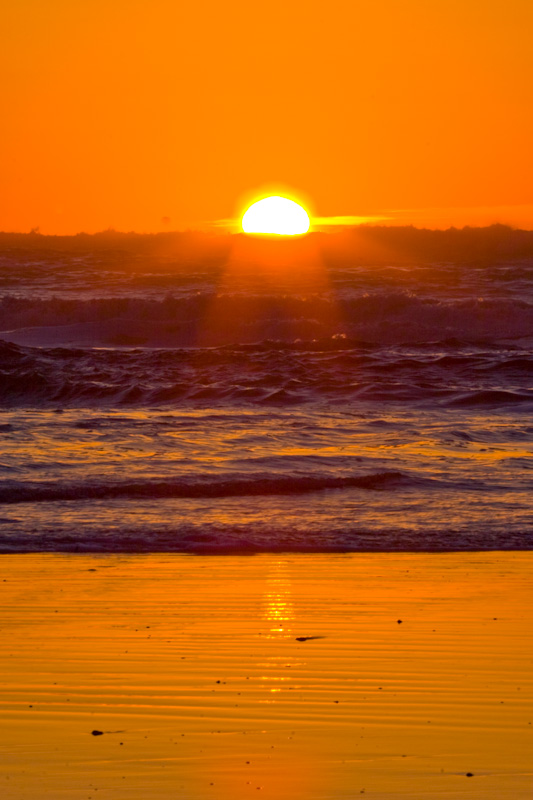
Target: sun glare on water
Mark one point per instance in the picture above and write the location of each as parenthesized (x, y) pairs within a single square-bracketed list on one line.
[(276, 215)]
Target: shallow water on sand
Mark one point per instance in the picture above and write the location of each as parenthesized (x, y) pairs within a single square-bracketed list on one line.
[(221, 480)]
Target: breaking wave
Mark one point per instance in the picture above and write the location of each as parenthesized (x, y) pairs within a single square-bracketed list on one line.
[(251, 485), (210, 319)]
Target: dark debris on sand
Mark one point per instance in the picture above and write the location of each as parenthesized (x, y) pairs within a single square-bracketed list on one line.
[(307, 638)]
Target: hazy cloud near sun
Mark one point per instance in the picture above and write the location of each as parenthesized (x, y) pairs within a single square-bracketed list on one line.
[(517, 216)]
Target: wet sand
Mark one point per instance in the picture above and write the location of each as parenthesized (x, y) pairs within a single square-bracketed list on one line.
[(192, 668)]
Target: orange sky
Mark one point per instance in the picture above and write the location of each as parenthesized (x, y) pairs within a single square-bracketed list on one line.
[(119, 113)]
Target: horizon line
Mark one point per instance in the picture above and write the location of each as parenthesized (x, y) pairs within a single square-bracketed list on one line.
[(335, 224)]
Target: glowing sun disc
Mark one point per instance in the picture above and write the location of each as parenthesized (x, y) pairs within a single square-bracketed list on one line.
[(277, 215)]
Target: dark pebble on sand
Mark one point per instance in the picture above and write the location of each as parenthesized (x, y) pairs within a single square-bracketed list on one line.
[(469, 774), (97, 733), (399, 622)]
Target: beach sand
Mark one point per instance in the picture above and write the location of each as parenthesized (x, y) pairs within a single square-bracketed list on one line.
[(192, 669)]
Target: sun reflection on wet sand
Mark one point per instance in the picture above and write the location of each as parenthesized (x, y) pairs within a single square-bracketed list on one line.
[(278, 606), (278, 613)]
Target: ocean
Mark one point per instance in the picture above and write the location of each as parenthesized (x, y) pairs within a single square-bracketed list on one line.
[(212, 394)]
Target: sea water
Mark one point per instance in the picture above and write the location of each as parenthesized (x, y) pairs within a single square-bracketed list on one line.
[(200, 403)]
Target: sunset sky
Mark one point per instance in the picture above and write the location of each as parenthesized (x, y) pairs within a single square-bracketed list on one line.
[(162, 115)]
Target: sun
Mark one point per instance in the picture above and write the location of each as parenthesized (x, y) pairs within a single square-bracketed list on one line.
[(277, 215)]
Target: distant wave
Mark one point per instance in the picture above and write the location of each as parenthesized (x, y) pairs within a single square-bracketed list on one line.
[(391, 316)]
